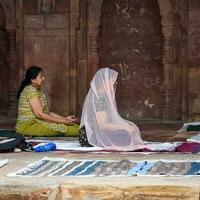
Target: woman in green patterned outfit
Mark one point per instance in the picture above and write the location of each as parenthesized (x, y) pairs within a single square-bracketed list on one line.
[(34, 117)]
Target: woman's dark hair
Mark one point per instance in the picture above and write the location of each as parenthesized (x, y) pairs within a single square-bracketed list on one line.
[(31, 73)]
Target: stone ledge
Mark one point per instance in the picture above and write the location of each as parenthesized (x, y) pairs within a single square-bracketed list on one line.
[(66, 192)]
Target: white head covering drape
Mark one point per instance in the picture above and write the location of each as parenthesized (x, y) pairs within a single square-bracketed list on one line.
[(104, 126)]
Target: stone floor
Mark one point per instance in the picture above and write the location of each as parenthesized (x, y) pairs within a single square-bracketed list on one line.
[(102, 188)]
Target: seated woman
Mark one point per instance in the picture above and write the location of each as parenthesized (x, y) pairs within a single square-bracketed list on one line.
[(34, 117), (100, 119)]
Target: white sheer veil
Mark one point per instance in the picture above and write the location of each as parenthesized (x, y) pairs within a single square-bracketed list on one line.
[(104, 126)]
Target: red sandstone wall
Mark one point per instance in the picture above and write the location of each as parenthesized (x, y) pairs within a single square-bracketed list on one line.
[(131, 42), (147, 42), (7, 75), (194, 59), (45, 36)]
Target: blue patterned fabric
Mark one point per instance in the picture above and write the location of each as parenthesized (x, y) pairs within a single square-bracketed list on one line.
[(64, 167)]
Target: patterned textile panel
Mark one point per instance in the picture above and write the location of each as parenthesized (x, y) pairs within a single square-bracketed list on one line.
[(63, 167)]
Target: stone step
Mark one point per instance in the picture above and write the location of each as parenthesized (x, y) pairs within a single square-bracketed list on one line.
[(143, 124), (159, 124)]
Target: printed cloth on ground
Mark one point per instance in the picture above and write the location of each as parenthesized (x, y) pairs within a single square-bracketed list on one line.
[(62, 167), (75, 146), (3, 162), (195, 138)]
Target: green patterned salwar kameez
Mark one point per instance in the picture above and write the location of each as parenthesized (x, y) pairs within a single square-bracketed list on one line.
[(29, 125)]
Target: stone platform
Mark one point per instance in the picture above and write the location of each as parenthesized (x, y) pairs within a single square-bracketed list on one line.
[(102, 188), (95, 188)]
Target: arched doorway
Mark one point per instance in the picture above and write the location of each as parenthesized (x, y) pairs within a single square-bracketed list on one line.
[(3, 64), (130, 41)]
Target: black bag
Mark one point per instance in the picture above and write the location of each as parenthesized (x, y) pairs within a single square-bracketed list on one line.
[(9, 140), (193, 128)]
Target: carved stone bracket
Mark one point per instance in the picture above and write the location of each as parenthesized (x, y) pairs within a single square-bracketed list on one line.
[(46, 6)]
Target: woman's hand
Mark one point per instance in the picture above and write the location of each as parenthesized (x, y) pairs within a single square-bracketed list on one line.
[(70, 119)]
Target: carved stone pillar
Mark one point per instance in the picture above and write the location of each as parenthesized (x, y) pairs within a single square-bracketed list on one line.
[(167, 68), (94, 12), (184, 10), (166, 11), (74, 15), (93, 58), (13, 78), (82, 65)]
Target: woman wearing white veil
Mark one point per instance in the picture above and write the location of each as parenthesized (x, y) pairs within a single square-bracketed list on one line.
[(104, 126)]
